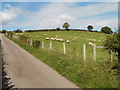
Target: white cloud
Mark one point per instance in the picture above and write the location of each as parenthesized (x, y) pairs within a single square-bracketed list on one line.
[(61, 1), (55, 14), (8, 14)]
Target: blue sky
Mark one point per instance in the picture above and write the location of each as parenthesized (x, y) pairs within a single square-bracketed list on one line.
[(41, 15)]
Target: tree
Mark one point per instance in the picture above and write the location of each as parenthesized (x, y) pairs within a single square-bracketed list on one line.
[(18, 31), (66, 26), (106, 30), (57, 28), (4, 31), (90, 27)]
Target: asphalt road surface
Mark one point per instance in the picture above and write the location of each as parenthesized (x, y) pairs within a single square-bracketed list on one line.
[(26, 71)]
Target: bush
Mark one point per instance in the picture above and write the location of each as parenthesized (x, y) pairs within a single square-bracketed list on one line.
[(23, 38), (112, 43), (106, 30), (10, 34), (36, 44)]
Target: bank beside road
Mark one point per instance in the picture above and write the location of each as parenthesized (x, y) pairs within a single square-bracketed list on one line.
[(26, 71)]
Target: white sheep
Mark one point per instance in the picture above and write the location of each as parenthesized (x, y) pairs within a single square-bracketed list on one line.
[(45, 34), (57, 39), (62, 40), (67, 41), (90, 43), (75, 37), (47, 38), (37, 36)]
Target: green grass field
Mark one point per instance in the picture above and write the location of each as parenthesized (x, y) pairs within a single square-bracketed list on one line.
[(87, 74), (73, 49)]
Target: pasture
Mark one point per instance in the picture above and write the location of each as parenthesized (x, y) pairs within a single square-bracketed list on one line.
[(74, 49), (85, 74)]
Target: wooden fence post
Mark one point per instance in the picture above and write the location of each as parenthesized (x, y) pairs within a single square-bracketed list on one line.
[(94, 52), (111, 56), (64, 48), (31, 42), (42, 44), (27, 40), (84, 52), (50, 45)]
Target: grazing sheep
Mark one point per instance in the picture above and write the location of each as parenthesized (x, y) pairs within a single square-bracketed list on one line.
[(57, 39), (67, 41), (45, 34), (37, 36), (56, 36), (90, 43), (51, 38), (75, 37), (62, 40), (47, 38)]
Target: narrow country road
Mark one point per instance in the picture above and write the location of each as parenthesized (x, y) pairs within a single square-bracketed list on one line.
[(26, 71)]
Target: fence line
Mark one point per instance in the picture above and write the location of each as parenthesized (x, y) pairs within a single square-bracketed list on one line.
[(64, 49)]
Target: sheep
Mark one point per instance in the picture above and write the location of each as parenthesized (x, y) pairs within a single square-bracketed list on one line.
[(90, 43), (37, 36), (67, 41), (51, 38), (44, 34), (56, 36), (75, 37), (57, 39), (62, 40), (47, 38)]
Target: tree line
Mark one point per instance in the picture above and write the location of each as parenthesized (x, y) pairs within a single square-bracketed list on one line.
[(66, 25)]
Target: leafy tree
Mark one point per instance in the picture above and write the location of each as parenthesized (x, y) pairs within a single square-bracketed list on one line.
[(90, 27), (66, 26), (106, 30), (18, 31), (57, 28), (4, 31)]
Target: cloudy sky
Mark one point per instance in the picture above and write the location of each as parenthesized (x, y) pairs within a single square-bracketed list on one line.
[(41, 15)]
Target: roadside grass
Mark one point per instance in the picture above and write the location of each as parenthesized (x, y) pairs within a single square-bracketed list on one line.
[(87, 74)]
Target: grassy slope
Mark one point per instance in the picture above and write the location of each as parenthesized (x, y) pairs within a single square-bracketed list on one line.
[(84, 74)]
